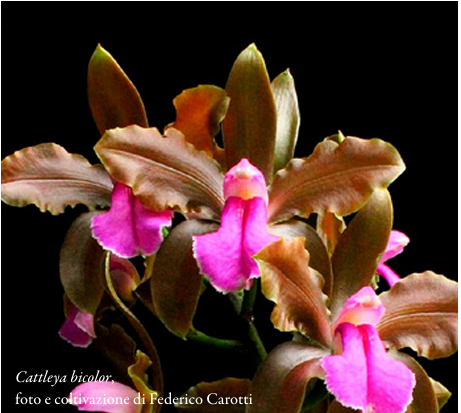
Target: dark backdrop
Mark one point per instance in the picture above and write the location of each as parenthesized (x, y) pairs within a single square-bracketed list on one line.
[(384, 70)]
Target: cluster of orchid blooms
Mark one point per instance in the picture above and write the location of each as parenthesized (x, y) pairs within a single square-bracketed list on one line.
[(245, 231)]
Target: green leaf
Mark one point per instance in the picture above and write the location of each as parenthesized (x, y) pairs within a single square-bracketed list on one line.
[(279, 385), (228, 387), (288, 119), (114, 101), (424, 400), (51, 178), (360, 247), (295, 288), (199, 113), (319, 259), (336, 178), (164, 172), (81, 265), (175, 279), (250, 125), (422, 313)]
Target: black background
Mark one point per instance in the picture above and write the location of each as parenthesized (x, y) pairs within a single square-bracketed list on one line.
[(384, 70)]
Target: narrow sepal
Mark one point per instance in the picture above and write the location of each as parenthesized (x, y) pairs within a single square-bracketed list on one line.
[(114, 101), (288, 118), (360, 247), (250, 125)]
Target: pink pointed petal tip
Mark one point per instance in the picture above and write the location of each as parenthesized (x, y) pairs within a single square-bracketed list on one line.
[(245, 181), (397, 242), (226, 256), (364, 377), (364, 307), (78, 329), (129, 228), (107, 397)]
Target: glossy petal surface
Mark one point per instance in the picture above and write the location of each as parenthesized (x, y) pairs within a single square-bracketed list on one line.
[(225, 256), (129, 228), (364, 377), (86, 397)]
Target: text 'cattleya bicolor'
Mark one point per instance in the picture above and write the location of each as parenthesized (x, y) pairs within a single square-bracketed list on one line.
[(362, 375), (225, 256)]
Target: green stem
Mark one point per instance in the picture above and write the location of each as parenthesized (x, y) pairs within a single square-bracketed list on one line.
[(258, 344), (249, 298), (139, 328), (246, 312), (223, 344)]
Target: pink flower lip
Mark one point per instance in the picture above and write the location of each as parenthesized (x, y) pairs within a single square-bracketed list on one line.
[(128, 228), (360, 373)]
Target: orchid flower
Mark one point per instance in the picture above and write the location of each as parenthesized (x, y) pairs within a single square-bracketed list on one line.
[(184, 169), (352, 342), (225, 256), (51, 178), (397, 242), (363, 376)]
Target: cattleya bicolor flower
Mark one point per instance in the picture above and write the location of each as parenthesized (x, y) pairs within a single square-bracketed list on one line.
[(397, 242), (49, 177), (225, 256), (362, 375), (353, 341)]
